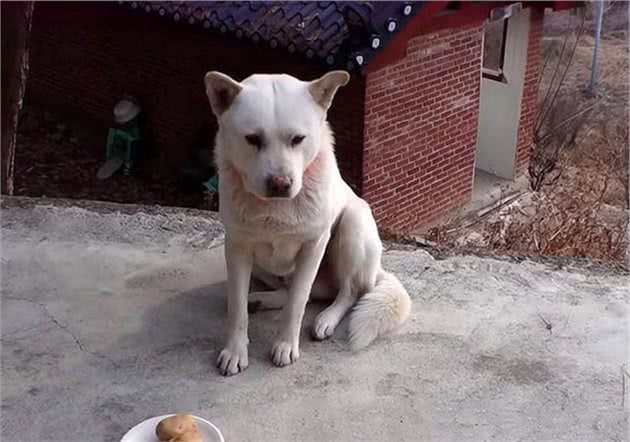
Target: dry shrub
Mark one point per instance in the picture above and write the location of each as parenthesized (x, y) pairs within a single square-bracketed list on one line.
[(583, 212), (565, 223), (561, 113), (615, 18), (559, 132), (615, 159)]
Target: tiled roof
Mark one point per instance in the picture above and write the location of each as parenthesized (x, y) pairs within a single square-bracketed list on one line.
[(345, 34)]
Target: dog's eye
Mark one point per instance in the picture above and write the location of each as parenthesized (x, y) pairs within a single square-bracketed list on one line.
[(254, 140), (297, 139)]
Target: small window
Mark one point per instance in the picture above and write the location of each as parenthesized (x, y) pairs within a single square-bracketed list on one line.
[(494, 37), (453, 6), (450, 9)]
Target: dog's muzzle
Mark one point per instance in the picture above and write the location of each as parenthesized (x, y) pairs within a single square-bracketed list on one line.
[(278, 186)]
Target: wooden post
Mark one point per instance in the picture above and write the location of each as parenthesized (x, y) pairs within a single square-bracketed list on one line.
[(16, 27)]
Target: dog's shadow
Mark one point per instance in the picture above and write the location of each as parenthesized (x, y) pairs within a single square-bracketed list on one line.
[(183, 330), (187, 330)]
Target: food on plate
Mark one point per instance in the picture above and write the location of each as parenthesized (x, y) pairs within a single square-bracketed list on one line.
[(178, 428)]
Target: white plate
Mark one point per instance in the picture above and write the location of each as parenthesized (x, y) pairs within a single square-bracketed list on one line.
[(145, 431)]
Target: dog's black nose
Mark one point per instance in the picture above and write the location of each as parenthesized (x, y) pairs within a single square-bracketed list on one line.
[(278, 186)]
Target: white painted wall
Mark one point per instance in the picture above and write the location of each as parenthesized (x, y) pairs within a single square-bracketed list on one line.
[(500, 104)]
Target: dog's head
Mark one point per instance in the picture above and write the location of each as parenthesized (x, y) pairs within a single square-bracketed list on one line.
[(271, 126)]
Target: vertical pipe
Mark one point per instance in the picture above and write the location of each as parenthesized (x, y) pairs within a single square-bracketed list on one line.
[(598, 30)]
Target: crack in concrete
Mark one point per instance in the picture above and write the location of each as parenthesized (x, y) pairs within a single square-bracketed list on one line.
[(624, 374), (58, 324)]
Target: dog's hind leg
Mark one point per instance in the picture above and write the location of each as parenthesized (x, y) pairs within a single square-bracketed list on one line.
[(267, 300), (321, 290), (272, 281), (326, 322), (276, 299)]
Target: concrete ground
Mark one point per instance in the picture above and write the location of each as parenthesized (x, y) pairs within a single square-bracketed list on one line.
[(112, 314)]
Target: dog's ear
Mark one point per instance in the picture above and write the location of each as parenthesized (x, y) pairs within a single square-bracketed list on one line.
[(323, 89), (221, 90)]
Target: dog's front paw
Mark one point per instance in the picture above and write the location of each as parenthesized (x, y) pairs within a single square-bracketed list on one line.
[(232, 359), (284, 353)]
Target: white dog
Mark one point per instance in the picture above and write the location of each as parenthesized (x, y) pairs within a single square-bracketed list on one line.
[(290, 219)]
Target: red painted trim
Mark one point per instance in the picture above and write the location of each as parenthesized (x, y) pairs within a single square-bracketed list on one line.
[(560, 5), (397, 47), (470, 13)]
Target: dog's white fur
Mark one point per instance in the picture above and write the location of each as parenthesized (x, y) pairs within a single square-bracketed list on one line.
[(321, 237)]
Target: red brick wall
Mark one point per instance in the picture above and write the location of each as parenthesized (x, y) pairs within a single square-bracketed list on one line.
[(84, 56), (529, 100), (421, 129)]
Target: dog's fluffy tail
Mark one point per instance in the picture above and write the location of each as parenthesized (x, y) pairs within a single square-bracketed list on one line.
[(379, 311)]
